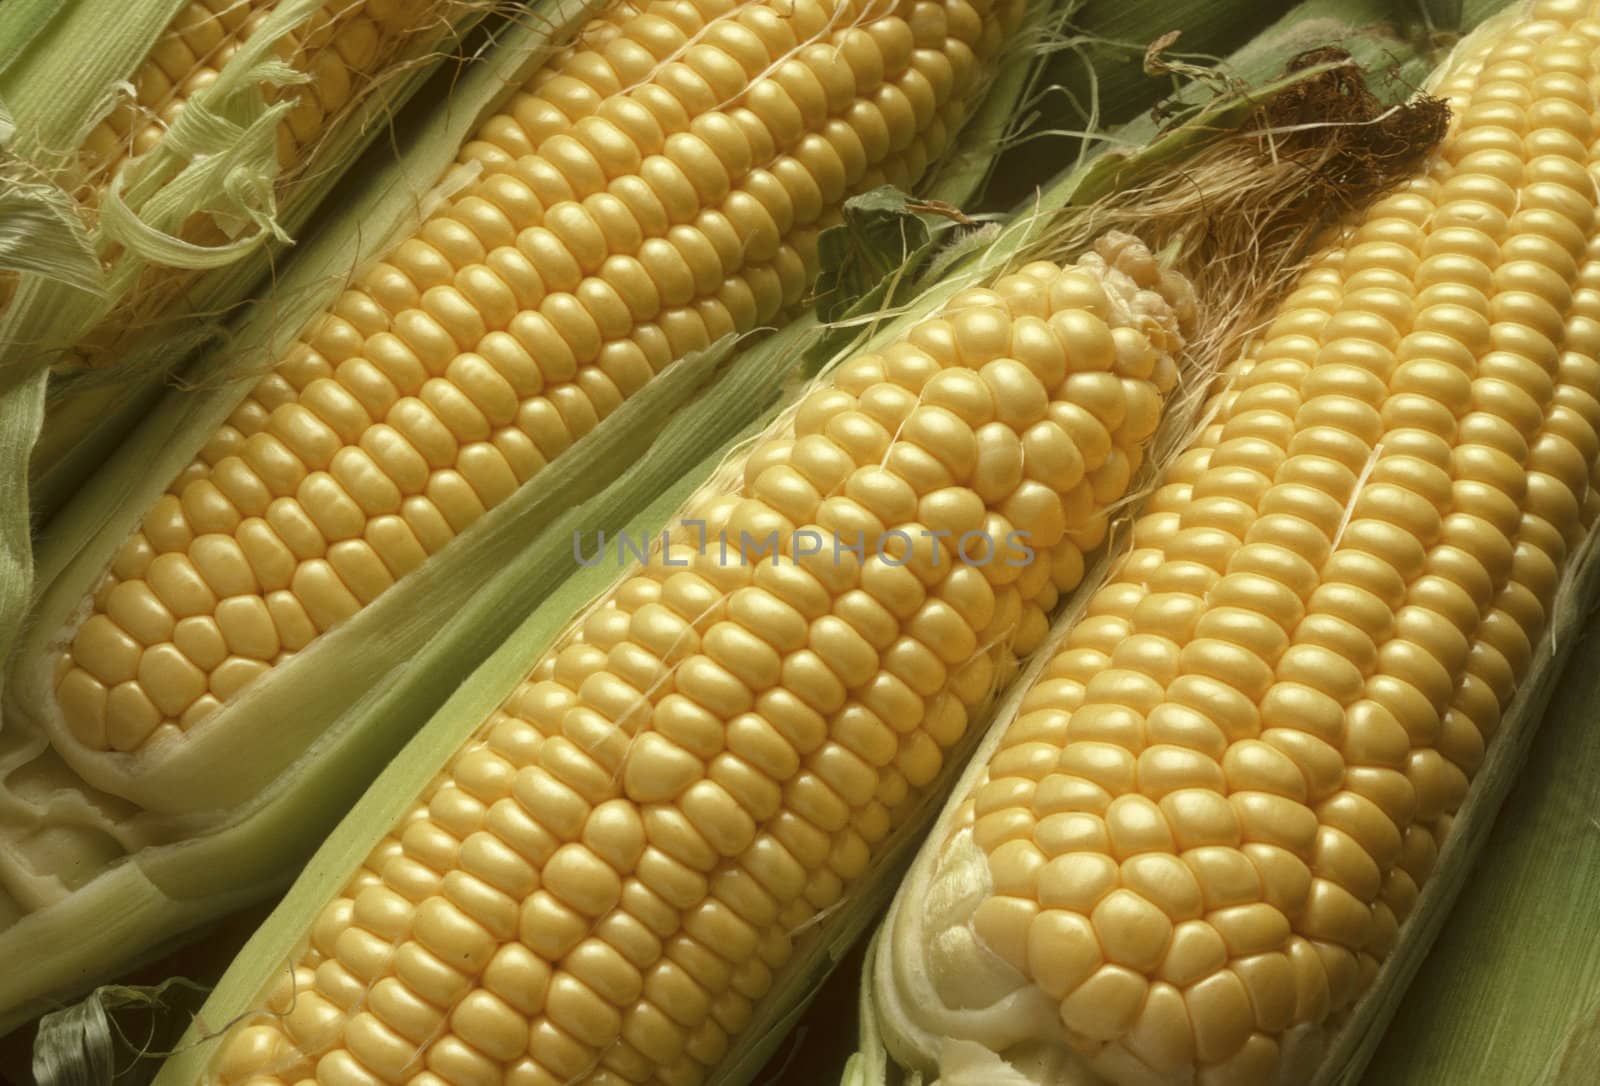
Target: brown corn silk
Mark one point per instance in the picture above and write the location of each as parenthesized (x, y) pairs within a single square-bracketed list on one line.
[(1196, 843)]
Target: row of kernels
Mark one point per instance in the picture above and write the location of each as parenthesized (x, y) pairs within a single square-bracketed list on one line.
[(1567, 438)]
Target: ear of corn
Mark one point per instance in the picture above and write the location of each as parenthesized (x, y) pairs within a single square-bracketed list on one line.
[(1197, 852), (162, 796), (794, 714)]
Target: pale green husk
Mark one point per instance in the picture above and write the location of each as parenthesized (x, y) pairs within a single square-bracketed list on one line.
[(40, 231), (228, 811), (25, 20)]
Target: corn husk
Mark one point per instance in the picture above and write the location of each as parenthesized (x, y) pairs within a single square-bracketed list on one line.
[(224, 816)]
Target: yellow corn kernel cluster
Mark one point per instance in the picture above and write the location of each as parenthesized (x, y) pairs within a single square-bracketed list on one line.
[(343, 41), (659, 187), (1216, 808), (605, 879)]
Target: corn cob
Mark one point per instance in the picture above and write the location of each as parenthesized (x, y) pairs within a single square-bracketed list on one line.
[(622, 221), (1196, 844), (609, 872)]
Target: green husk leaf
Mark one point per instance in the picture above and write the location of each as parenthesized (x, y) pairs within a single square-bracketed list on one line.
[(1101, 67), (59, 69), (880, 232), (21, 415), (40, 231), (25, 20), (219, 153), (1094, 77)]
